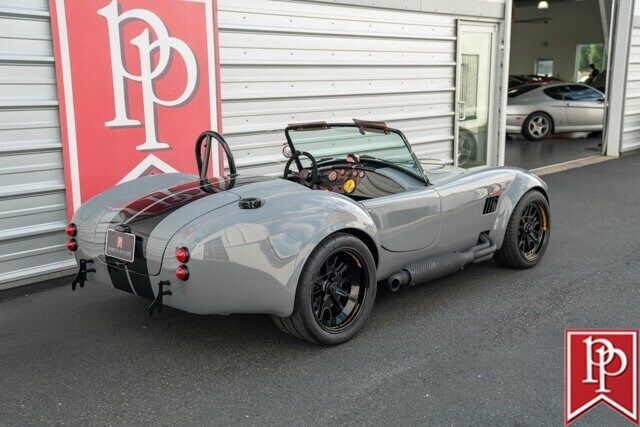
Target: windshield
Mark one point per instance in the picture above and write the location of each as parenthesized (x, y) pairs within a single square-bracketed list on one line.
[(337, 141)]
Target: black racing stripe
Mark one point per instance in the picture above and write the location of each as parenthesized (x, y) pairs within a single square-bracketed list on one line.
[(119, 279), (163, 202), (166, 201), (142, 216), (142, 285), (138, 272)]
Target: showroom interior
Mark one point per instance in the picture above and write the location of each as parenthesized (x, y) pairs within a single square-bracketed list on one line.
[(436, 70), (555, 42)]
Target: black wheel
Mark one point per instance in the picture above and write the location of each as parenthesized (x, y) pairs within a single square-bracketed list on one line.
[(528, 232), (336, 292), (467, 148), (537, 126)]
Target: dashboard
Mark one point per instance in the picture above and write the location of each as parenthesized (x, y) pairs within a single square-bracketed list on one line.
[(355, 181)]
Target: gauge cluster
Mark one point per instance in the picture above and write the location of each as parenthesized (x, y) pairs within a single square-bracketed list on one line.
[(340, 180), (354, 181)]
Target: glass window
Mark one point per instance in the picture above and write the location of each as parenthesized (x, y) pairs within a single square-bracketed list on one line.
[(580, 93), (553, 92), (469, 87), (587, 54), (521, 90), (544, 67), (476, 45)]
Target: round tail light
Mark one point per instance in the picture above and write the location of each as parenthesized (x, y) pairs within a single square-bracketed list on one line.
[(71, 230), (72, 245), (182, 255), (182, 273)]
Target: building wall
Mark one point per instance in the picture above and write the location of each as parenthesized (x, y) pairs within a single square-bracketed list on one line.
[(631, 125), (288, 62), (32, 198), (571, 23)]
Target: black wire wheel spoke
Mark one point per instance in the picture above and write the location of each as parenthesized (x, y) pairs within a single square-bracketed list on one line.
[(532, 231), (339, 290)]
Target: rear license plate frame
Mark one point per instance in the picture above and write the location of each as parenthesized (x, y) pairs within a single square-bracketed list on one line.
[(123, 249)]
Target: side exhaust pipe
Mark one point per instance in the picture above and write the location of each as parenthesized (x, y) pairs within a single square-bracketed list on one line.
[(437, 266)]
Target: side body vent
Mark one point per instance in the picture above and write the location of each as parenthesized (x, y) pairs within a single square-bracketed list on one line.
[(490, 205)]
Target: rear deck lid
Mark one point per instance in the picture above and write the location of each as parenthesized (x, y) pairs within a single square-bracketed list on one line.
[(154, 218)]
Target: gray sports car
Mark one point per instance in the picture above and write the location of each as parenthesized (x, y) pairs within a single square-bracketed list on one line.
[(354, 208), (537, 110)]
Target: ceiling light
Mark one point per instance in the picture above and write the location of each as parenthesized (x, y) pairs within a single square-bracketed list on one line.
[(543, 4)]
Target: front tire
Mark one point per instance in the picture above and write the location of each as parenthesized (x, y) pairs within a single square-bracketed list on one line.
[(528, 232), (537, 126), (335, 294)]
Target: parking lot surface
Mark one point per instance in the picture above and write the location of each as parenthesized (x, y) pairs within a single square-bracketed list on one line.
[(481, 347)]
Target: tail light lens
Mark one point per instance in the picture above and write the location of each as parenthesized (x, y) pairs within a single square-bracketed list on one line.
[(182, 255), (72, 245), (182, 273), (71, 230)]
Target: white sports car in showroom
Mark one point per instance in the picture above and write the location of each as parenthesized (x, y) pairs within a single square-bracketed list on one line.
[(538, 110)]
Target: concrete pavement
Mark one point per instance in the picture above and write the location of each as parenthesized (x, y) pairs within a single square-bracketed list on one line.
[(556, 149), (481, 347)]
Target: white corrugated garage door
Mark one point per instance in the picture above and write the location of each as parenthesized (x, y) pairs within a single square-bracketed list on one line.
[(288, 62), (32, 202), (631, 129)]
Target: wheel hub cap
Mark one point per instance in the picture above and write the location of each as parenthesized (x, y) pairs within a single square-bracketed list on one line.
[(339, 290)]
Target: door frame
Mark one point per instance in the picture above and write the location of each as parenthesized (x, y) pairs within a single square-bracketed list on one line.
[(493, 125)]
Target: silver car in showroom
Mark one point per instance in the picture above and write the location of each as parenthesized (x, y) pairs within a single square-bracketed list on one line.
[(538, 110)]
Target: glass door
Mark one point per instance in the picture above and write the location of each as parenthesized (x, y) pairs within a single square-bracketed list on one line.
[(475, 94)]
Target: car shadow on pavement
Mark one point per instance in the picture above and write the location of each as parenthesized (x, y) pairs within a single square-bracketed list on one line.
[(217, 333)]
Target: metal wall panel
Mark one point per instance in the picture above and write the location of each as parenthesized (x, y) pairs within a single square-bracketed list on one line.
[(631, 126), (286, 62), (32, 200), (469, 8)]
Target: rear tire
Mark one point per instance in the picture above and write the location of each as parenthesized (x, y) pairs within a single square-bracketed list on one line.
[(335, 294), (537, 126), (528, 232)]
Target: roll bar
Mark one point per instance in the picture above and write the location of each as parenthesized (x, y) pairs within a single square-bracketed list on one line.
[(203, 162)]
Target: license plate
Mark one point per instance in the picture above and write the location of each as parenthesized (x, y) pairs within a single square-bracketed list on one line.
[(120, 245)]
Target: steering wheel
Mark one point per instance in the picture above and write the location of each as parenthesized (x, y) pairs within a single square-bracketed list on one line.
[(309, 180)]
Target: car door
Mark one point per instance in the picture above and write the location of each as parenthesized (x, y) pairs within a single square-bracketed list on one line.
[(408, 221), (584, 107), (554, 105)]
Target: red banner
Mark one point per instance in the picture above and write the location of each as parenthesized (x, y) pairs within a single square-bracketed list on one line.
[(138, 81), (601, 366)]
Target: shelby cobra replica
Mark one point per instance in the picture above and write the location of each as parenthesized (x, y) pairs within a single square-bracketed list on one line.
[(353, 208)]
